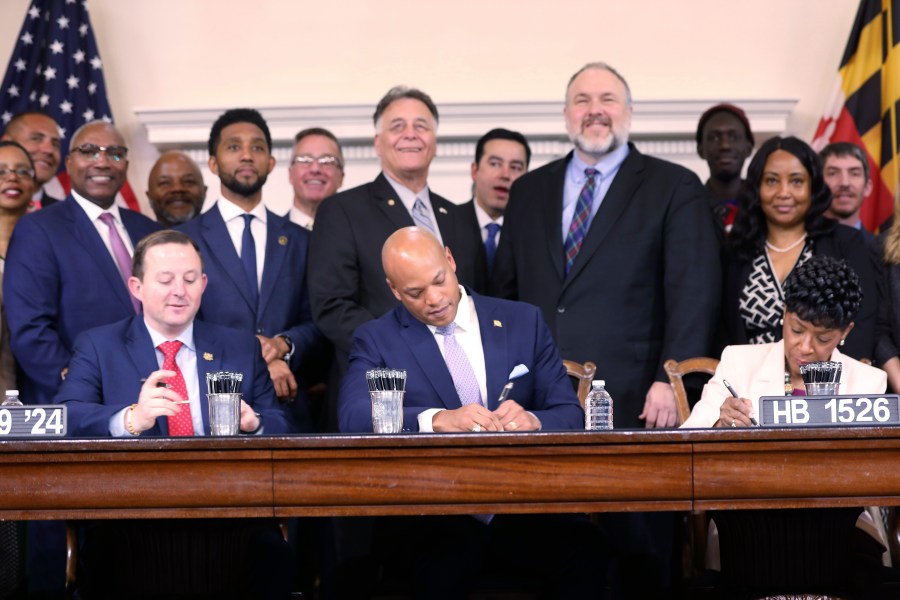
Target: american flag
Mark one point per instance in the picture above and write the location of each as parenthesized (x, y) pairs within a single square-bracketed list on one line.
[(55, 68)]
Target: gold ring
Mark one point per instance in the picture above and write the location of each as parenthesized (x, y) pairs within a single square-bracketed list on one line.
[(513, 425), (476, 427)]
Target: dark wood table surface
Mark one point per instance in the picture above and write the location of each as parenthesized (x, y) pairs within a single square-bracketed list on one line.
[(342, 475)]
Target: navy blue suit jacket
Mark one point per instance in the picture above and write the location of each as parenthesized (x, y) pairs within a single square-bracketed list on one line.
[(283, 298), (61, 280), (109, 363), (512, 333)]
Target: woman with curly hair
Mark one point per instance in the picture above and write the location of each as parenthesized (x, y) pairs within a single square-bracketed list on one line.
[(821, 300), (780, 226)]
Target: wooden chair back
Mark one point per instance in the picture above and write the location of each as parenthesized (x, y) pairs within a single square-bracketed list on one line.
[(584, 374), (677, 370)]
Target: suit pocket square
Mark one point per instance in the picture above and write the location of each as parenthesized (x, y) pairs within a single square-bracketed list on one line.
[(517, 372)]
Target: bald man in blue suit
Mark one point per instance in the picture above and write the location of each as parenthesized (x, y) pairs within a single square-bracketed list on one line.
[(500, 339)]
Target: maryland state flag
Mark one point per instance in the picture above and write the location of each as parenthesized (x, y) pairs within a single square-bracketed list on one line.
[(863, 107)]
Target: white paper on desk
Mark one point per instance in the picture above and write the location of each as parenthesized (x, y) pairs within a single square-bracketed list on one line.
[(517, 372)]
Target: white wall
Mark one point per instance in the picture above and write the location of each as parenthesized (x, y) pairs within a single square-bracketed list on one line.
[(192, 54)]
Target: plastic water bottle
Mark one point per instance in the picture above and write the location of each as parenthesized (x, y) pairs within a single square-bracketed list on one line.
[(12, 398), (598, 407)]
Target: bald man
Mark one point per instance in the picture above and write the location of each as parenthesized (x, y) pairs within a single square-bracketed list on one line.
[(39, 134), (488, 342), (175, 189)]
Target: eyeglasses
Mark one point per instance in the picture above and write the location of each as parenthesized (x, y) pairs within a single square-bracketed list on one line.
[(92, 152), (20, 173), (326, 162)]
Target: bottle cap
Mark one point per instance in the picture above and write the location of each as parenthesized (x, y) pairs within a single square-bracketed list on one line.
[(12, 392), (598, 382)]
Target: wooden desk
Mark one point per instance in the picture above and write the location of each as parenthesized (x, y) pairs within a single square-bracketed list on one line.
[(449, 474)]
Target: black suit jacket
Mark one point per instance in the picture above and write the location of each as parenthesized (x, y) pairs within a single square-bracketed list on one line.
[(844, 243), (48, 200), (645, 286), (346, 282)]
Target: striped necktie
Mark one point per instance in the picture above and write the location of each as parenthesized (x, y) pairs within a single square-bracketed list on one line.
[(581, 220), (421, 217)]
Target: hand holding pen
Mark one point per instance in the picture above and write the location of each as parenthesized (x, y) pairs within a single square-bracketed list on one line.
[(741, 404)]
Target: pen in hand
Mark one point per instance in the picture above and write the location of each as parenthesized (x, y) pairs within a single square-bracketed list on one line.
[(504, 393), (735, 394)]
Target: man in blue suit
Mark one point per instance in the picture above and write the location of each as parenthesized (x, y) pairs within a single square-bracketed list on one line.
[(62, 275), (113, 389), (255, 259), (116, 380), (496, 335), (439, 326)]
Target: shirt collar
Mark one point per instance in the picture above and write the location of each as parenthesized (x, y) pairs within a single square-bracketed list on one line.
[(186, 337), (485, 219), (93, 211), (607, 165), (407, 196), (229, 210), (300, 218), (465, 314)]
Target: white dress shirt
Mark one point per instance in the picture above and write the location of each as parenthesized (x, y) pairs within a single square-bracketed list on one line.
[(233, 215), (186, 359), (93, 212), (300, 218), (468, 336), (484, 220)]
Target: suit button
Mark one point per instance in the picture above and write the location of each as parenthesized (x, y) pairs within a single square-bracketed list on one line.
[(259, 331), (560, 309)]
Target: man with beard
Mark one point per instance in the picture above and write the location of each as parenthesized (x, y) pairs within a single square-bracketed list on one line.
[(38, 133), (724, 141), (846, 171), (175, 189), (255, 259), (619, 251)]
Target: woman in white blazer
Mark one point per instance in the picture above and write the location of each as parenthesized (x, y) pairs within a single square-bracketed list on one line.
[(821, 299)]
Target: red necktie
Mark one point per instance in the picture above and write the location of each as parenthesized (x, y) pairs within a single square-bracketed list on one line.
[(180, 424)]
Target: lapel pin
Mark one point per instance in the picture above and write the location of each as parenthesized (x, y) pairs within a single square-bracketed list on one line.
[(497, 323), (282, 240), (442, 210), (207, 356), (391, 202)]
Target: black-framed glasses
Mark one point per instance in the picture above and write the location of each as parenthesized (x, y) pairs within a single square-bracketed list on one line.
[(92, 152), (20, 173), (326, 161)]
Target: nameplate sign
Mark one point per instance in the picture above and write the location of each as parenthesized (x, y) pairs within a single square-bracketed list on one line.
[(44, 421), (818, 411)]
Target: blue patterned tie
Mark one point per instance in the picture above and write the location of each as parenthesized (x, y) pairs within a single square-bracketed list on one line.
[(460, 368), (248, 258), (490, 244), (420, 216), (580, 220)]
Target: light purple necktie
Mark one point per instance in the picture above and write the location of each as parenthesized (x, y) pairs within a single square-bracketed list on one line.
[(460, 368), (120, 253)]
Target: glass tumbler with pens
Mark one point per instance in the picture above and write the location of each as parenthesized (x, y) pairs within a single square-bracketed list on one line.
[(386, 387)]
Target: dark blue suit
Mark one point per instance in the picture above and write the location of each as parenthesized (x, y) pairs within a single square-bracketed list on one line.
[(61, 280), (512, 333), (109, 363), (283, 298)]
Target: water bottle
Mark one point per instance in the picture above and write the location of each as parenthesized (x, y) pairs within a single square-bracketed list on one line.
[(12, 398), (598, 407)]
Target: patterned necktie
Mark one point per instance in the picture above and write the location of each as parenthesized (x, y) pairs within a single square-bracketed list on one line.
[(182, 423), (490, 244), (120, 253), (248, 259), (580, 220), (460, 368), (420, 216)]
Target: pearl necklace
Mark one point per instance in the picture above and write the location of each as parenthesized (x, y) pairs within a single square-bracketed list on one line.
[(775, 248)]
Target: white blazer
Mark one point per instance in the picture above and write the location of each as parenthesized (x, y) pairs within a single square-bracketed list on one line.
[(756, 370)]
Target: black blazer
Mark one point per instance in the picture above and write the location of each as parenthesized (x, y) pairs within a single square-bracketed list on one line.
[(842, 242), (346, 282), (645, 286)]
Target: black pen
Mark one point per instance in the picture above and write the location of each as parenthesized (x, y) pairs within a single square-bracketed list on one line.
[(735, 394), (504, 393)]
